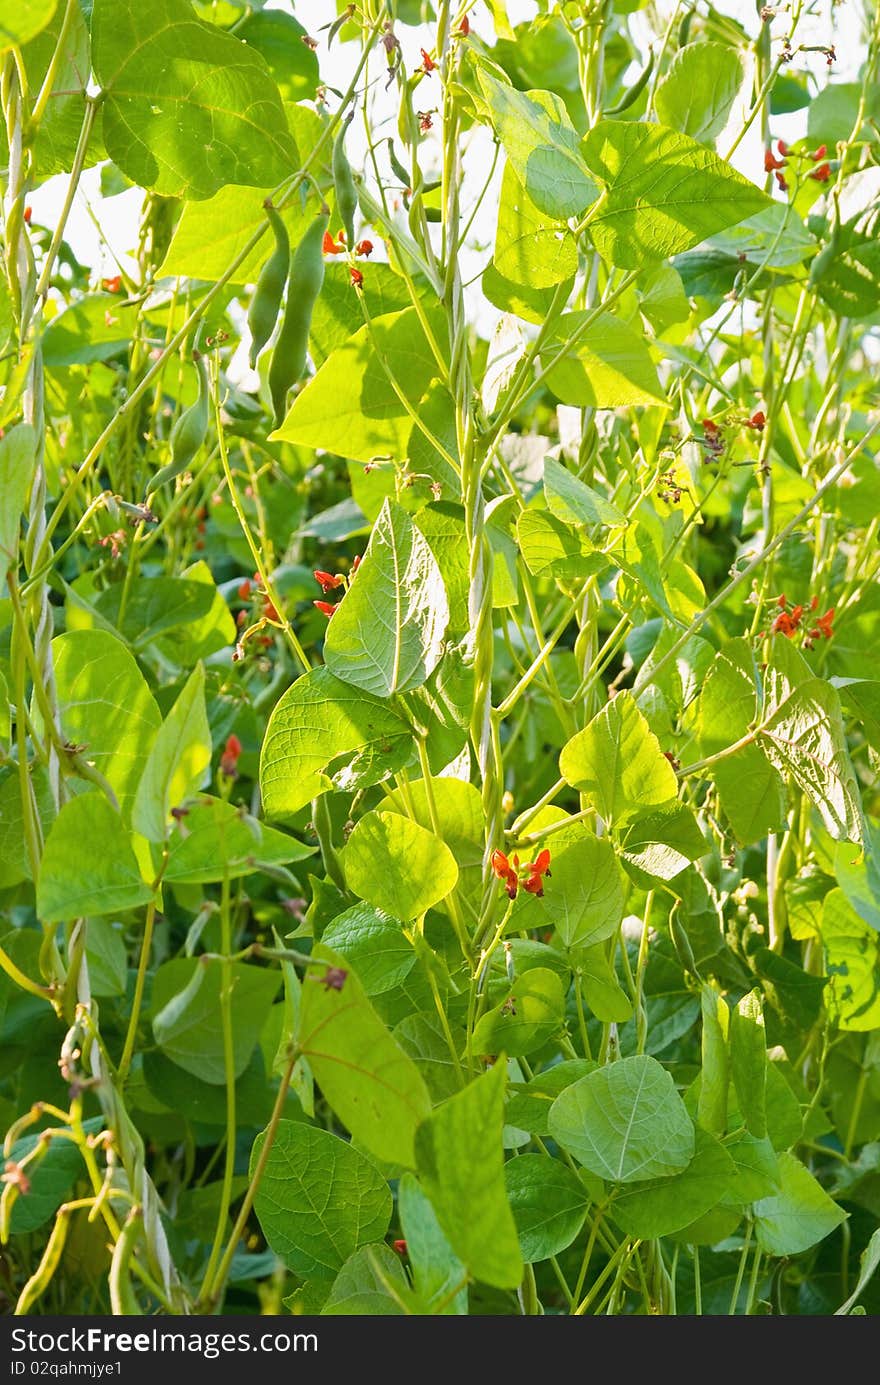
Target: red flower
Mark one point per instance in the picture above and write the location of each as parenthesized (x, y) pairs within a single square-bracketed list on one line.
[(757, 421), (781, 182), (822, 173), (244, 589), (357, 279), (428, 63), (400, 1247), (819, 153), (506, 871), (771, 162), (782, 601), (782, 147), (325, 607), (269, 610), (333, 979), (355, 562), (326, 580), (541, 866), (364, 247), (229, 758), (814, 603), (782, 626), (28, 213), (464, 27), (824, 623), (329, 245), (112, 285)]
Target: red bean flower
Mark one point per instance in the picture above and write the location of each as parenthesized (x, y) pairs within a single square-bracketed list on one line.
[(332, 247), (327, 581), (364, 247), (229, 758), (507, 870), (357, 279), (822, 173), (428, 63), (325, 607)]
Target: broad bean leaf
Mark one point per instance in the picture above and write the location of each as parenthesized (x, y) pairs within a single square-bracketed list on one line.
[(24, 21), (664, 192), (748, 1062), (187, 108), (436, 1269), (617, 764), (666, 1205), (699, 89), (213, 233), (625, 1122), (397, 865), (607, 366), (372, 1085), (105, 706), (461, 1167), (176, 764), (18, 460), (216, 840), (852, 961), (186, 1014), (548, 1202), (386, 635), (799, 1215), (574, 502), (351, 407), (542, 145), (324, 733), (374, 944), (530, 1013), (75, 880), (362, 1287), (319, 1199), (530, 246)]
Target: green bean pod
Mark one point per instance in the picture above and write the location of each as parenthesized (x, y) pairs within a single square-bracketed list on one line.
[(303, 288), (633, 93), (189, 432), (269, 291), (344, 184)]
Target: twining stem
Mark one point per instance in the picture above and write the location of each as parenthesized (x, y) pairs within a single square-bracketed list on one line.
[(212, 1288), (138, 998), (229, 1075)]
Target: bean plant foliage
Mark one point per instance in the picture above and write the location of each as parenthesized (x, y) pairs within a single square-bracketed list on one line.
[(439, 703)]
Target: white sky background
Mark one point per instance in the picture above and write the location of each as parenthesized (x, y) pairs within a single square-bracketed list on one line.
[(117, 217)]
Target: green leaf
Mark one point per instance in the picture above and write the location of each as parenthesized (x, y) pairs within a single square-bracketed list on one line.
[(105, 705), (697, 93), (574, 502), (804, 738), (96, 328), (601, 989), (666, 1205), (51, 1179), (186, 1013), (397, 865), (205, 1102), (372, 1085), (386, 635), (374, 944), (617, 764), (869, 1262), (584, 898), (18, 460), (748, 1062), (796, 994), (436, 1269), (187, 108), (107, 957), (799, 1215), (325, 734), (549, 1204), (24, 21), (319, 1199), (333, 322), (608, 366), (664, 192), (664, 843), (752, 793), (176, 764), (350, 407), (542, 144), (528, 1016), (757, 1168), (361, 1287), (553, 549), (216, 839), (852, 961), (712, 1107), (155, 606), (75, 880), (461, 1166), (625, 1122), (528, 1107), (278, 37), (213, 233), (530, 247)]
